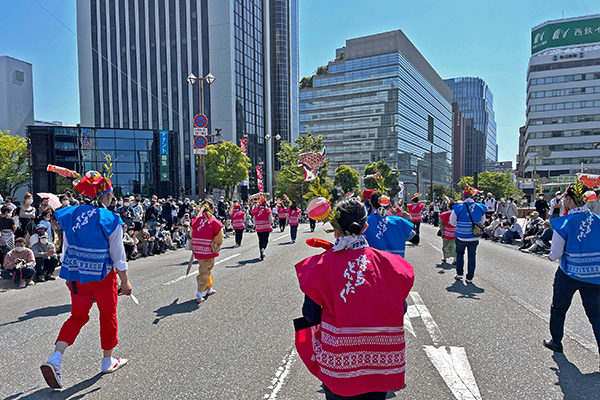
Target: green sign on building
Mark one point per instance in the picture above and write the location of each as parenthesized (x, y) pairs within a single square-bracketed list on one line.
[(565, 33)]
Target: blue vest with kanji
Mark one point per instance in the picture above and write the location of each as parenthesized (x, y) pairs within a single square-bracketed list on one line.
[(464, 226), (87, 228), (388, 233), (581, 257)]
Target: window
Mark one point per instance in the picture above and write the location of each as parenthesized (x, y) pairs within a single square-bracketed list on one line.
[(19, 75)]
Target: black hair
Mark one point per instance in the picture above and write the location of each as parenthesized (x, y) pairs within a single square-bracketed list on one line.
[(293, 207), (353, 216), (5, 209), (375, 199)]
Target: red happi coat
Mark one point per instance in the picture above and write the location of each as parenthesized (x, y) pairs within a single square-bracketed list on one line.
[(294, 216), (261, 219), (449, 229), (415, 210), (359, 345), (237, 220), (204, 231), (282, 212)]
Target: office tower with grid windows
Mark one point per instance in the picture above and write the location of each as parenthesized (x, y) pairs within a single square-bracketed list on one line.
[(135, 55)]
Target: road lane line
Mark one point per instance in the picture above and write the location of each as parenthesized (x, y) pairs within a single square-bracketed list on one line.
[(282, 237), (196, 272), (412, 311), (546, 317), (435, 247), (432, 327), (280, 375), (453, 365), (408, 325)]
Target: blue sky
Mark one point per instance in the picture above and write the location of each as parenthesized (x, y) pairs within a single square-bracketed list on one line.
[(488, 39)]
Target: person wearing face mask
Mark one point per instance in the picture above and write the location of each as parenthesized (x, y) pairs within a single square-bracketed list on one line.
[(129, 242), (145, 242), (511, 209), (490, 205), (542, 207), (46, 259), (44, 205), (27, 214), (556, 206), (19, 265), (575, 241), (45, 221)]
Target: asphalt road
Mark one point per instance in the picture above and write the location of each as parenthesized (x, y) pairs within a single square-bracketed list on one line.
[(480, 341)]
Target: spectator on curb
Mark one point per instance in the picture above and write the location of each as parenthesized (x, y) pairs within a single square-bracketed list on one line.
[(145, 242), (556, 206), (27, 215), (7, 232), (542, 207), (19, 264), (129, 242), (46, 259), (511, 209), (43, 206), (39, 231), (514, 232), (541, 242), (490, 205)]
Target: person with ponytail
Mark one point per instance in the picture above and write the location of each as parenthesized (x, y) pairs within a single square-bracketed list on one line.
[(237, 223), (346, 288), (263, 222), (294, 213)]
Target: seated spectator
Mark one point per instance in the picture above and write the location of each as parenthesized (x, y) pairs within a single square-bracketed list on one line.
[(7, 232), (46, 259), (129, 242), (162, 242), (19, 265), (514, 232), (145, 242), (39, 230), (541, 241), (177, 239), (533, 225), (45, 221), (499, 230)]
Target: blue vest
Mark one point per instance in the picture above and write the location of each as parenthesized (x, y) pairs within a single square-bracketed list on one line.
[(581, 257), (388, 233), (464, 226), (87, 228)]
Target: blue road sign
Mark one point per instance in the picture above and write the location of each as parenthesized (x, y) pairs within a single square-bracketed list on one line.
[(200, 121), (200, 142)]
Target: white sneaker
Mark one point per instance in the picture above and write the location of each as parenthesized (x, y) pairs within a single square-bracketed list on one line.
[(116, 364), (210, 292), (469, 280), (199, 297), (262, 254), (458, 277), (51, 375)]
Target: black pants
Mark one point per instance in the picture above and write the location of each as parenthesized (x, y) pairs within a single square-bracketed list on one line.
[(564, 290), (417, 227), (128, 250), (239, 233), (45, 266), (294, 231), (312, 223), (282, 224), (329, 395), (263, 240)]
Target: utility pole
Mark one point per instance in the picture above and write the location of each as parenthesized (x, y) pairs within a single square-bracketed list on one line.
[(431, 187)]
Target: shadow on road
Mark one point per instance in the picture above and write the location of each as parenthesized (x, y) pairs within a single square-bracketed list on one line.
[(574, 384), (244, 263), (469, 291), (175, 308), (47, 393), (51, 311), (444, 266)]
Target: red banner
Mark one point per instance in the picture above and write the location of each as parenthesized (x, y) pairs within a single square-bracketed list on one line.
[(243, 146), (259, 179)]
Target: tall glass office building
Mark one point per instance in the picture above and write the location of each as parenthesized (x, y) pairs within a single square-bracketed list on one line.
[(383, 102), (135, 55), (476, 103), (562, 134)]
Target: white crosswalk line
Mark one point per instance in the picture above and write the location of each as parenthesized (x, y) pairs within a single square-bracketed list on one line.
[(453, 365), (196, 272), (408, 325), (432, 327)]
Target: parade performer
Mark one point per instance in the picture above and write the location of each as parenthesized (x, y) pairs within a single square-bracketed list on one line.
[(294, 213), (282, 215), (237, 222), (343, 342), (448, 238), (575, 243), (207, 237), (385, 232), (262, 222), (93, 255), (415, 210), (465, 216)]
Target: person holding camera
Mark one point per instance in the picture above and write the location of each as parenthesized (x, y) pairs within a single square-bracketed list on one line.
[(46, 259), (19, 264)]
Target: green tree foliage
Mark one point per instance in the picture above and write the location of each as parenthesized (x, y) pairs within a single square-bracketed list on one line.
[(14, 169), (348, 177), (390, 181), (306, 82), (226, 166), (290, 180), (341, 57), (496, 183), (322, 70)]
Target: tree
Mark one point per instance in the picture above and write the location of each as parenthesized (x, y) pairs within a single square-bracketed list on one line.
[(390, 181), (496, 183), (226, 166), (14, 168), (305, 82), (348, 177), (290, 180), (322, 70), (341, 57)]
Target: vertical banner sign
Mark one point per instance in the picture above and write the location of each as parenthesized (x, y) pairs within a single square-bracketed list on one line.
[(164, 155), (259, 179), (243, 146), (401, 193), (339, 189)]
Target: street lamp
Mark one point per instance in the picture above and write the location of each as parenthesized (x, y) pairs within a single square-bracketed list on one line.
[(191, 79), (270, 161)]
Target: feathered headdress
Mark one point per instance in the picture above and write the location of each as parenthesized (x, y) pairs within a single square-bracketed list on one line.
[(468, 191), (579, 193), (93, 183)]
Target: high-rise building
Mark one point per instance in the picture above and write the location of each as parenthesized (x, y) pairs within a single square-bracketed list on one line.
[(458, 144), (563, 100), (382, 101), (135, 55), (16, 95), (476, 103)]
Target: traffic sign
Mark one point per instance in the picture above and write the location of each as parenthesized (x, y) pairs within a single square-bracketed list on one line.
[(200, 142), (200, 121), (200, 131), (200, 151)]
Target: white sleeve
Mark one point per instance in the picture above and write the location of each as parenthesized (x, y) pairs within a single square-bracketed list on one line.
[(453, 218), (558, 247), (65, 244), (117, 250)]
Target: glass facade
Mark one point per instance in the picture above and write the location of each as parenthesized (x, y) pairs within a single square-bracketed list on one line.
[(134, 154), (476, 102), (381, 108)]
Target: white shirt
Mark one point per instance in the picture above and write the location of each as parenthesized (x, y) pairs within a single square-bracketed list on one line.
[(115, 249), (490, 204)]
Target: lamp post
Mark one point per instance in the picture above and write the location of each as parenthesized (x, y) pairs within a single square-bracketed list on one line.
[(415, 172), (270, 161), (210, 78)]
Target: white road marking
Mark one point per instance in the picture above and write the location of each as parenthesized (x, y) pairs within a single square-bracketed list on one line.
[(282, 237), (453, 365), (435, 247), (412, 311), (196, 272), (546, 317), (280, 375), (408, 325), (432, 327)]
